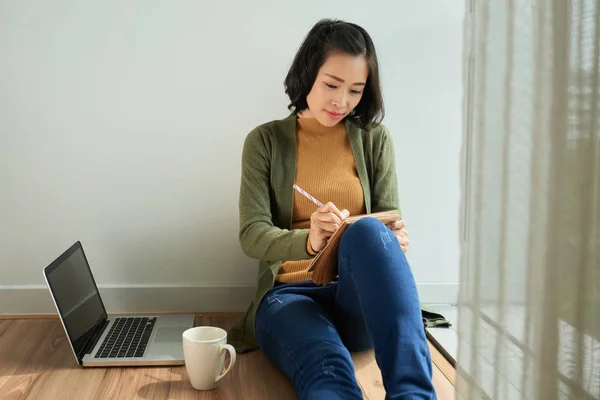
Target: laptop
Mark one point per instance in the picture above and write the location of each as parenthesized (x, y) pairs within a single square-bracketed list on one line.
[(98, 340)]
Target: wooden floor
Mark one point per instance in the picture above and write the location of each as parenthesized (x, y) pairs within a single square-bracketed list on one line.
[(37, 363)]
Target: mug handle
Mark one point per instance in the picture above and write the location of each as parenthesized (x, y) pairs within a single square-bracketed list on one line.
[(231, 351)]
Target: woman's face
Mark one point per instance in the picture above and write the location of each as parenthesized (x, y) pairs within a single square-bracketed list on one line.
[(338, 88)]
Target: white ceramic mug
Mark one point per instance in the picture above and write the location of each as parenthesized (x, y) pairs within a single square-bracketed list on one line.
[(204, 351)]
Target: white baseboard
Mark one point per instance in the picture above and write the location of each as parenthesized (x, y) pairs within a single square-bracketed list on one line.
[(136, 298), (35, 299)]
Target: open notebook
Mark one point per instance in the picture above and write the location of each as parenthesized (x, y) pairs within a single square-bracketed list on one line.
[(324, 266)]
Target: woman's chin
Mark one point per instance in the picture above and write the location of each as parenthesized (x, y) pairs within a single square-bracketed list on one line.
[(328, 122)]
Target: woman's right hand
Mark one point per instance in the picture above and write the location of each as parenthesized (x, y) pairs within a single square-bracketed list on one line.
[(323, 223)]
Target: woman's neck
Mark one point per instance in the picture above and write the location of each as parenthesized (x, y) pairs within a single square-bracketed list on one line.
[(313, 126)]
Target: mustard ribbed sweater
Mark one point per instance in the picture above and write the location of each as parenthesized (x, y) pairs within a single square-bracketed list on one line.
[(325, 168)]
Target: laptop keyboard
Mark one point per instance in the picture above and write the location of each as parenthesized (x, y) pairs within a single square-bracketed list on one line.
[(128, 337)]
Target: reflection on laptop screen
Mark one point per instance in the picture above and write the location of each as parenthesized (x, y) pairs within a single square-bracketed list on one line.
[(76, 295)]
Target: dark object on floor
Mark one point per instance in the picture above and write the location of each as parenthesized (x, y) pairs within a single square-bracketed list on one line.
[(432, 319)]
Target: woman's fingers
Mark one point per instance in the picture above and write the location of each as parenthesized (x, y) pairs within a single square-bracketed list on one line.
[(323, 223), (331, 208), (327, 226), (329, 218), (397, 225), (404, 242)]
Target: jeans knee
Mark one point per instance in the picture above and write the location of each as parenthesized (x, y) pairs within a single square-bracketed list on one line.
[(366, 225), (369, 242), (363, 228), (367, 232)]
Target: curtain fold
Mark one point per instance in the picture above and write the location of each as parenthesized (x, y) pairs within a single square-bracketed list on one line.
[(529, 304)]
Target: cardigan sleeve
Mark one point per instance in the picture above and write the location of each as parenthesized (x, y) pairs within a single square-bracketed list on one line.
[(384, 189), (259, 237)]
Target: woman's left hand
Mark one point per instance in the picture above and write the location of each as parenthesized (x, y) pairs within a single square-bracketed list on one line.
[(399, 229)]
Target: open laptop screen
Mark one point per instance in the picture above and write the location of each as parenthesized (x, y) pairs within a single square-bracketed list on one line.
[(76, 295)]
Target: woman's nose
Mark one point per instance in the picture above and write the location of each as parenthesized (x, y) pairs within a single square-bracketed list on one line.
[(340, 101)]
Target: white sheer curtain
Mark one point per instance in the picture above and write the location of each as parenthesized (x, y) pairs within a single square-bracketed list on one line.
[(529, 308)]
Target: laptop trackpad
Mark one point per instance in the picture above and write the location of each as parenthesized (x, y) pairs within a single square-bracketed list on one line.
[(169, 335)]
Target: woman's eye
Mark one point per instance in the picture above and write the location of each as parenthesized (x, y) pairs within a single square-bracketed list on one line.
[(331, 86), (355, 91)]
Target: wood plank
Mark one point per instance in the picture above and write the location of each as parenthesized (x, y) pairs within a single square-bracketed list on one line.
[(371, 382), (446, 339), (28, 316), (134, 383), (443, 387), (445, 367), (38, 351), (368, 375), (270, 383), (37, 362)]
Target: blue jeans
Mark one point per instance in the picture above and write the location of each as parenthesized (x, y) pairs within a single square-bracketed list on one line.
[(308, 331)]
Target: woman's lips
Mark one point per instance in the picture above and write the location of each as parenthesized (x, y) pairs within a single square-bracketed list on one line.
[(333, 115)]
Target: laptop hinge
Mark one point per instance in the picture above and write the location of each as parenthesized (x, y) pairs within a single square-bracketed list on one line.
[(93, 338)]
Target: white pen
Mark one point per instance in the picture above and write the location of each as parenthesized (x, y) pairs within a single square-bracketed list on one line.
[(308, 196)]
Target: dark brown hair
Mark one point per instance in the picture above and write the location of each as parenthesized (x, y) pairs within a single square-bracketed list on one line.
[(334, 35)]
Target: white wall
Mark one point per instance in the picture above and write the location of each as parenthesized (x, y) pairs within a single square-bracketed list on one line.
[(121, 125)]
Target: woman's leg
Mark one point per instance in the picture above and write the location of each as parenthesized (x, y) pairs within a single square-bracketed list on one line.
[(293, 330), (376, 292)]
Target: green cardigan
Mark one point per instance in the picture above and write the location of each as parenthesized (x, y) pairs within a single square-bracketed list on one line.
[(266, 201)]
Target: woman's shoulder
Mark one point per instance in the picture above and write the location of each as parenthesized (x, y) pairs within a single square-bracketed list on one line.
[(377, 134), (277, 133), (276, 125), (273, 128)]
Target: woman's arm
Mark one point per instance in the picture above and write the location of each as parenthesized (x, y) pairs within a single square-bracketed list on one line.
[(384, 186), (258, 236)]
